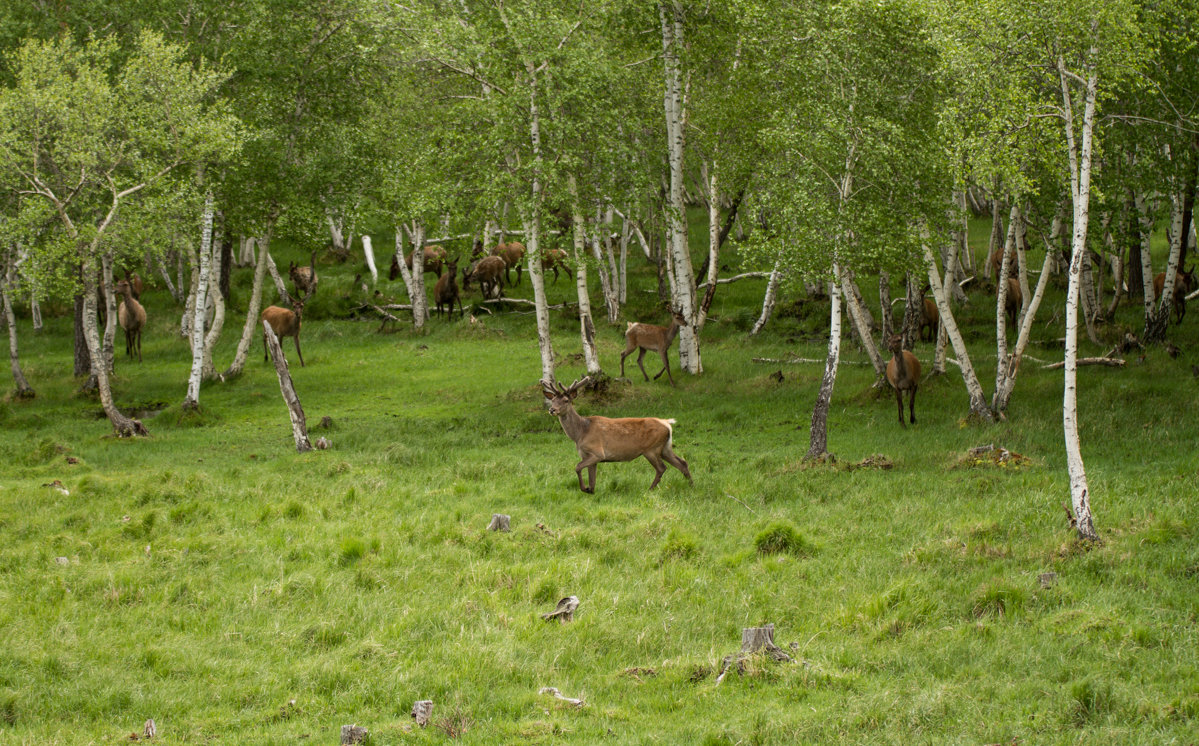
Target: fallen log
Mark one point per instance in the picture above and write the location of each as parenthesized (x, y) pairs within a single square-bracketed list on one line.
[(743, 276), (1113, 362)]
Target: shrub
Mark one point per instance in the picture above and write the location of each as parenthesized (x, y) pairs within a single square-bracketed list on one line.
[(781, 537)]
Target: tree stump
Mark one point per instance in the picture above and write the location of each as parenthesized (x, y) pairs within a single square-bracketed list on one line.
[(351, 734), (761, 639), (299, 428), (564, 611), (422, 711), (499, 522)]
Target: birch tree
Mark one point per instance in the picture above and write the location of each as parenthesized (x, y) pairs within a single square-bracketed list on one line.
[(115, 135)]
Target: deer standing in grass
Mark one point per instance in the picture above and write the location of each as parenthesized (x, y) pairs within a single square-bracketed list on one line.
[(132, 317), (606, 439), (304, 278), (445, 292), (284, 323), (1184, 282), (645, 337), (903, 373)]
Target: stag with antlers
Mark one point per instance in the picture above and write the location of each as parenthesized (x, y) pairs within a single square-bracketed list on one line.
[(607, 439)]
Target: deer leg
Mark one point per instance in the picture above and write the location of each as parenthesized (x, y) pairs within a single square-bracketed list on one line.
[(659, 468), (899, 401), (298, 353), (139, 345), (665, 367), (677, 462), (265, 355), (587, 463), (640, 357), (519, 270), (623, 355), (912, 404)]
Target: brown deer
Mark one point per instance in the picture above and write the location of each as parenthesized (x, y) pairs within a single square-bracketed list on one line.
[(445, 292), (135, 284), (930, 319), (553, 259), (1184, 283), (304, 278), (1014, 300), (606, 439), (903, 373), (132, 317), (512, 253), (488, 272), (645, 337), (285, 323), (434, 259)]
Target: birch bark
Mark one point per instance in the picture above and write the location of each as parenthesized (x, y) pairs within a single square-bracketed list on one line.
[(24, 390), (818, 436), (978, 401), (1080, 187), (247, 333), (587, 326), (199, 309)]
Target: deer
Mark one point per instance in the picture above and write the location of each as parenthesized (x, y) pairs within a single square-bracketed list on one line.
[(489, 272), (304, 278), (612, 439), (132, 317), (553, 259), (645, 337), (903, 373), (1184, 283), (434, 259), (929, 318), (135, 284), (446, 290), (1014, 300), (511, 252), (285, 323)]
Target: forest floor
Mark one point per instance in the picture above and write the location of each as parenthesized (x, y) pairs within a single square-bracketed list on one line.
[(210, 578)]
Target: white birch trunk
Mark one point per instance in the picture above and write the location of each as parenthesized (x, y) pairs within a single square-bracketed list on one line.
[(682, 274), (199, 308), (1001, 293), (587, 326), (768, 300), (280, 286), (247, 333), (1166, 302), (369, 252), (1021, 259), (611, 302), (818, 432), (1080, 187), (189, 309), (299, 424), (626, 234), (857, 317), (24, 390), (532, 226), (713, 249), (35, 311), (110, 311), (1146, 219), (1005, 378), (218, 313), (415, 279), (124, 426), (978, 402)]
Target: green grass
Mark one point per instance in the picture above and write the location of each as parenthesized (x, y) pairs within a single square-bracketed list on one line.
[(213, 575)]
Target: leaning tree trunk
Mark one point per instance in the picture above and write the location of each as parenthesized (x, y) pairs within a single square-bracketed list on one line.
[(978, 401), (24, 390), (1156, 331), (1080, 178), (368, 252), (604, 265), (768, 301), (587, 330), (200, 308), (299, 425), (1001, 293), (247, 332), (414, 279), (1144, 212), (218, 282), (861, 325), (682, 274), (124, 426), (818, 436)]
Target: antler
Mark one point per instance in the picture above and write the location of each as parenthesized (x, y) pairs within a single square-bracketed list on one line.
[(578, 384)]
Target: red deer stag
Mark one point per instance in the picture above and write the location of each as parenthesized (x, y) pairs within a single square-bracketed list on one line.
[(445, 292), (489, 272), (284, 323), (903, 373), (606, 439), (304, 278), (512, 253), (132, 317), (1184, 283), (645, 337)]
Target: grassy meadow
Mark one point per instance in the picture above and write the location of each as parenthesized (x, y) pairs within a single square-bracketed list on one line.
[(237, 592)]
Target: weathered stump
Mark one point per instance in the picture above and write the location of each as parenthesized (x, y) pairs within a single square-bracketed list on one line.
[(351, 734), (499, 522), (564, 611), (761, 639), (422, 711), (299, 427)]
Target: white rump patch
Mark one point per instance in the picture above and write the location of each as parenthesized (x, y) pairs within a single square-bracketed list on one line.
[(669, 427)]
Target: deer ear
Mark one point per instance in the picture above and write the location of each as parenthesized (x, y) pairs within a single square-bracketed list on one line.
[(548, 394)]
